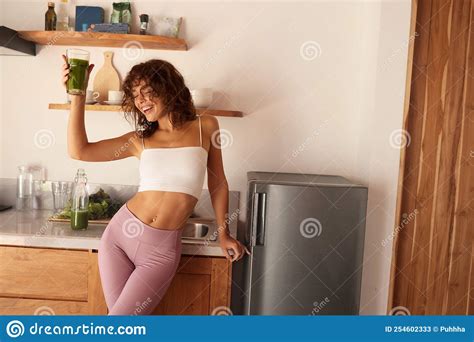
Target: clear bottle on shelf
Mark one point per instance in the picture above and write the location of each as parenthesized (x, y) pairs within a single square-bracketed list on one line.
[(63, 16)]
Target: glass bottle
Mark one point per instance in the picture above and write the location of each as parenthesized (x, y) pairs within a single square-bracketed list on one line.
[(80, 202), (63, 17), (71, 11), (143, 23), (24, 189), (50, 18)]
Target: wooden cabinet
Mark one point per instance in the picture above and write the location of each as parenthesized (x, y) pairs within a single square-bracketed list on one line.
[(201, 286), (47, 281), (24, 306)]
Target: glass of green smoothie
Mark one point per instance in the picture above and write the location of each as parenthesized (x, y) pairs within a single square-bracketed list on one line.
[(78, 61)]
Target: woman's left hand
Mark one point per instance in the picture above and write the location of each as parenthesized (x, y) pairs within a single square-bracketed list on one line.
[(228, 242)]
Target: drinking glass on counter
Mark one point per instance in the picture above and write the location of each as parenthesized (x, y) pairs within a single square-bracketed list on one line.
[(24, 189), (61, 194)]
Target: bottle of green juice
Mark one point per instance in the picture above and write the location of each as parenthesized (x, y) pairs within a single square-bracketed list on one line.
[(80, 202)]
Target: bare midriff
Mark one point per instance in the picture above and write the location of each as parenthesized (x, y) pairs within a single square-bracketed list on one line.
[(162, 209)]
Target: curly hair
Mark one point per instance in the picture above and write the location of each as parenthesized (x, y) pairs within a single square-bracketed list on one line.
[(167, 85)]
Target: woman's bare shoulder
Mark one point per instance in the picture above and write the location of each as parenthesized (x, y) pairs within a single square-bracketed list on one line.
[(209, 123)]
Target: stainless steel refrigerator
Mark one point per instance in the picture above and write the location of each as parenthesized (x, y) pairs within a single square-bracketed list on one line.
[(306, 235)]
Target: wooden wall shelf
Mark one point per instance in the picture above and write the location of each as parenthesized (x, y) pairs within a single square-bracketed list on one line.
[(110, 108), (103, 39)]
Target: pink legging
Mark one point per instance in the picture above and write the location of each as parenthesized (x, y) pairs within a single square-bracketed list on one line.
[(137, 263)]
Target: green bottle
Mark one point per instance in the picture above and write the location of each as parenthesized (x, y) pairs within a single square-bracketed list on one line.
[(50, 18), (80, 202)]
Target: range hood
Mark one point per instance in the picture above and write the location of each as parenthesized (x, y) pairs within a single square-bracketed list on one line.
[(11, 44)]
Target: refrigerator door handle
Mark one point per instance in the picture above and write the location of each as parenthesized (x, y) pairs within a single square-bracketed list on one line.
[(253, 219), (259, 223)]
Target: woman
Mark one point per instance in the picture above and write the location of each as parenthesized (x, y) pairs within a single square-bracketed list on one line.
[(141, 246)]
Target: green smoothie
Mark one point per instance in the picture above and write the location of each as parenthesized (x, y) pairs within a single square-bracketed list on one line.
[(79, 219), (76, 84)]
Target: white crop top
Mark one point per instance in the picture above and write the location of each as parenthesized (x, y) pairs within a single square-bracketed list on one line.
[(176, 169)]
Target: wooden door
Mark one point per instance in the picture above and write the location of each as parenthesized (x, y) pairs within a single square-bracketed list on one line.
[(433, 255), (201, 286)]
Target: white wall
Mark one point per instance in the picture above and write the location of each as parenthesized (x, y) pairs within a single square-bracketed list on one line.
[(385, 39), (2, 11), (337, 109)]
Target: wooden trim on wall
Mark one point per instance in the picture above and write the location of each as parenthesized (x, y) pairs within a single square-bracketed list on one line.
[(401, 172), (432, 257)]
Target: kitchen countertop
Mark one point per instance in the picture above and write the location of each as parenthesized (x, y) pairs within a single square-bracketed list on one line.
[(31, 228)]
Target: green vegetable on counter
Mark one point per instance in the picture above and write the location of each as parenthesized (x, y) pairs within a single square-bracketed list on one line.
[(101, 207)]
